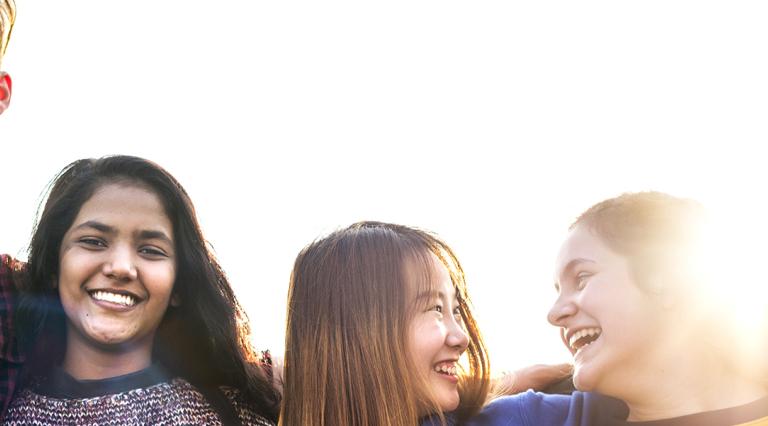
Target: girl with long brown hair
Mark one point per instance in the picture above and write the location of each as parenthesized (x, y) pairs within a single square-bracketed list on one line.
[(378, 319)]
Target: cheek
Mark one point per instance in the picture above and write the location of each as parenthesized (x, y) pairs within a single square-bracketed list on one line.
[(603, 301), (160, 280), (68, 283), (76, 266), (426, 340), (72, 303), (623, 307)]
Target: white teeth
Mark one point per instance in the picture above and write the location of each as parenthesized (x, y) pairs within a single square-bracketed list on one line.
[(446, 369), (593, 332), (120, 299)]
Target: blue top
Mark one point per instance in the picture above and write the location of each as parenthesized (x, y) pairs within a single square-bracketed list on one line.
[(539, 409)]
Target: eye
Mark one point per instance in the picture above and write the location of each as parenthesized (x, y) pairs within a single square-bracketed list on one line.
[(92, 242), (437, 308), (152, 251), (581, 280), (457, 312)]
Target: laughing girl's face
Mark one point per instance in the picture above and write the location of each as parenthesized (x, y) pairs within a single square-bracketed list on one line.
[(609, 324), (437, 338)]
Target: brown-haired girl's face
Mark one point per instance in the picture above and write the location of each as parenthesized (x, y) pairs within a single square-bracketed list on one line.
[(437, 337), (608, 323), (117, 269)]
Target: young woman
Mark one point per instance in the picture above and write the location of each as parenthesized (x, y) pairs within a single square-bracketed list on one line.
[(632, 277), (378, 319), (124, 315), (7, 19)]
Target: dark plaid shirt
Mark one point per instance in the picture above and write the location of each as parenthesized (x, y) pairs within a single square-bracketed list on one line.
[(10, 359)]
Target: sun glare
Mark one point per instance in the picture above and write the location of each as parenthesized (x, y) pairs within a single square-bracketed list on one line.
[(735, 284)]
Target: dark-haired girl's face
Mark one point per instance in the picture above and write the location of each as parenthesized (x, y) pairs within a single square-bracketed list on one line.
[(117, 268)]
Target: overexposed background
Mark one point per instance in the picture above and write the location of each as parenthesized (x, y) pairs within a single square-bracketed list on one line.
[(493, 124)]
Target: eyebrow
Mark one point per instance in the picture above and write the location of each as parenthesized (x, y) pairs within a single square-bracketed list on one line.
[(143, 235), (97, 226), (570, 266), (155, 235), (429, 294)]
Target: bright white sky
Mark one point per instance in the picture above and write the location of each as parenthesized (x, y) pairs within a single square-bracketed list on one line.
[(493, 124)]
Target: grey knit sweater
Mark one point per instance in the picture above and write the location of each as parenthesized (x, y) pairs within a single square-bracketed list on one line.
[(148, 397)]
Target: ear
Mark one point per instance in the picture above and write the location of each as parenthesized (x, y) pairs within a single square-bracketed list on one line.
[(5, 91), (175, 300)]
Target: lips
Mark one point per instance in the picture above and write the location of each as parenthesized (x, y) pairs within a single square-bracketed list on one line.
[(447, 368), (579, 338), (121, 298)]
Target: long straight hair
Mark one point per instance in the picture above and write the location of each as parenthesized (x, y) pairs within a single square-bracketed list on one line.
[(204, 340), (350, 303)]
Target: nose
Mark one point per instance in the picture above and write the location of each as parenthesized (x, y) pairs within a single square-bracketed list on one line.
[(457, 337), (562, 309), (121, 264)]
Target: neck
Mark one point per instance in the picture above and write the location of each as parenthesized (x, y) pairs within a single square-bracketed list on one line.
[(86, 362), (685, 390)]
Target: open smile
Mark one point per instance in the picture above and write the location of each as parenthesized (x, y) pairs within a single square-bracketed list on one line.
[(579, 339), (114, 298), (447, 370)]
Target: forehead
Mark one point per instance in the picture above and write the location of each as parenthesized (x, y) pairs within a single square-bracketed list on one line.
[(427, 273), (124, 203), (583, 244)]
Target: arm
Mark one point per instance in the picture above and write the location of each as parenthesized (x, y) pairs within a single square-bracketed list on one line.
[(540, 377), (10, 359)]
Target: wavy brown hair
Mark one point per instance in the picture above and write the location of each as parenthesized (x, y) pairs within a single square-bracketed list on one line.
[(7, 19), (350, 303)]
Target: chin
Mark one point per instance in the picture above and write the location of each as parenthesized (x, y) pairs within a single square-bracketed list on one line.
[(449, 402), (584, 380), (107, 335)]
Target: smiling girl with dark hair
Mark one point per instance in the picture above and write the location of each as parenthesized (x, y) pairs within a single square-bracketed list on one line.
[(124, 313)]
